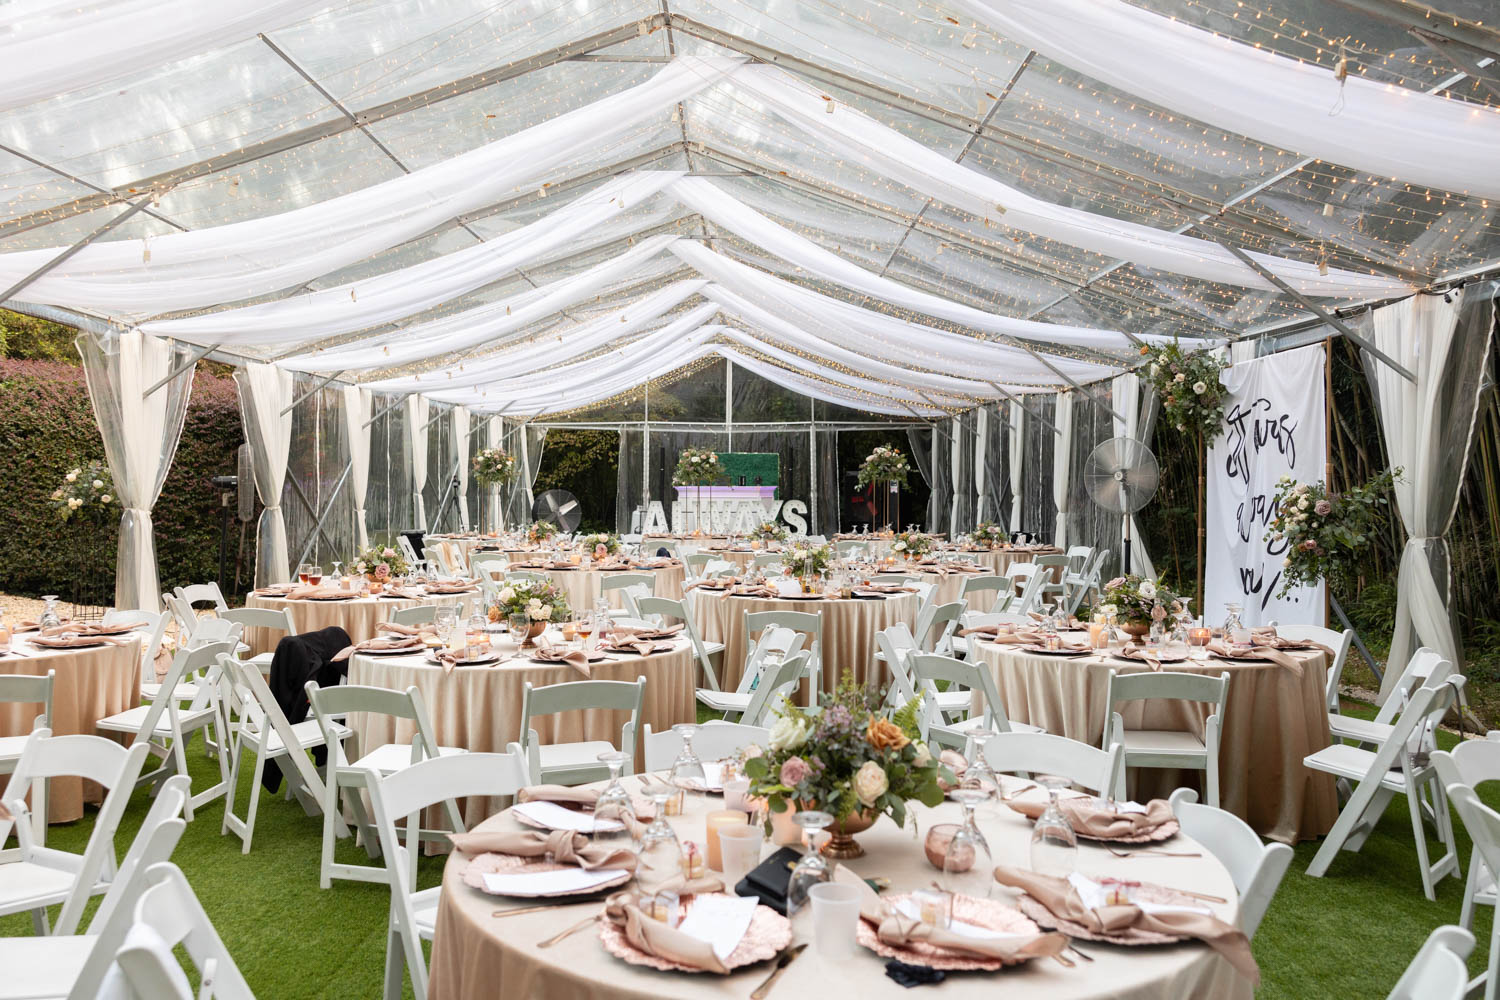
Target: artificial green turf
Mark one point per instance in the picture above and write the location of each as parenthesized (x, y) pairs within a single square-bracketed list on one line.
[(1349, 934)]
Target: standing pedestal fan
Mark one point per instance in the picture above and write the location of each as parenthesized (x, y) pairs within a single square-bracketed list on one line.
[(560, 508), (1121, 476)]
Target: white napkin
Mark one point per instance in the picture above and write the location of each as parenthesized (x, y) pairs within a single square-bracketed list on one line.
[(788, 587), (539, 883), (908, 909), (719, 921), (1093, 895), (556, 817), (713, 775), (1128, 808)]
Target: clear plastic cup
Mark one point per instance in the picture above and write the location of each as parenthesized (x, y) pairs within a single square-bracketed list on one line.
[(835, 915), (739, 852)]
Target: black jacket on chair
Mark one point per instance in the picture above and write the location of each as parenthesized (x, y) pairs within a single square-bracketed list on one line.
[(297, 660)]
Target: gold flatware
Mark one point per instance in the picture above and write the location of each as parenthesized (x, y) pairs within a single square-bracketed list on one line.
[(1199, 895), (782, 961), (1019, 791), (1081, 954), (1064, 960), (1151, 850), (571, 930), (537, 909)]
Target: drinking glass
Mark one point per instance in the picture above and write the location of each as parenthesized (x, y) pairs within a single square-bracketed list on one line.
[(968, 866), (980, 777), (614, 805), (835, 918), (338, 569), (314, 575), (519, 625), (303, 572), (688, 776), (660, 853), (739, 852), (1054, 845), (813, 868), (49, 617), (445, 620)]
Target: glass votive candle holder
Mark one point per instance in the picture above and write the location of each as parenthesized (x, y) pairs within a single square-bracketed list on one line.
[(934, 907), (1198, 639), (664, 906), (737, 794), (739, 852)]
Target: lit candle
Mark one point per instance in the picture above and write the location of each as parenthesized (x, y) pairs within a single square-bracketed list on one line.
[(716, 821), (1199, 636), (1096, 635)]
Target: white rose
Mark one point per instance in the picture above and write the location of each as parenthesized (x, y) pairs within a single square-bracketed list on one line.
[(1200, 387), (542, 614), (1302, 504), (1286, 562), (870, 782), (98, 484), (535, 602), (74, 503), (72, 477), (1148, 589), (1155, 369), (507, 594), (923, 757), (105, 498), (788, 733), (1180, 377), (899, 547)]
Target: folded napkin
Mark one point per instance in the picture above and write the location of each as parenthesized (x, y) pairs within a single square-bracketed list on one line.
[(318, 593), (566, 847), (644, 647), (885, 588), (401, 593), (766, 592), (575, 658), (1146, 654), (716, 583), (1002, 633), (275, 590), (655, 937), (407, 630), (379, 645), (659, 563), (450, 587), (69, 641), (1276, 656), (628, 632), (31, 626), (896, 929), (1061, 898), (1127, 820)]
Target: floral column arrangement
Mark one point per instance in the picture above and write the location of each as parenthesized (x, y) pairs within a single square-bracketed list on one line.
[(888, 466), (697, 467), (494, 467)]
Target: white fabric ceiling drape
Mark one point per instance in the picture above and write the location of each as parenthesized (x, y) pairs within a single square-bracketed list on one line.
[(1126, 395), (1427, 427), (140, 434), (886, 151), (1016, 451), (1062, 451), (461, 444), (981, 448), (265, 392), (416, 439), (358, 405), (1385, 130)]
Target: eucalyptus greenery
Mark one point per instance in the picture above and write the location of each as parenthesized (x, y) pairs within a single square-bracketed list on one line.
[(1324, 533)]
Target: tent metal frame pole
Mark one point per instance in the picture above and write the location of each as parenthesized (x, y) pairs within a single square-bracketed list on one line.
[(728, 405), (312, 538), (187, 365), (314, 390), (63, 257), (1087, 394), (1448, 27), (1447, 48), (1022, 404), (81, 182), (386, 409)]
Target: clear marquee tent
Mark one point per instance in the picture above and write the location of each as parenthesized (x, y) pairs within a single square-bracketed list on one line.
[(422, 227)]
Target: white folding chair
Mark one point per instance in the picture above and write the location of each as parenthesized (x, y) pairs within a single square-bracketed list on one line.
[(1439, 970), (330, 704), (164, 726), (413, 913), (713, 741), (777, 681), (810, 625), (1338, 640), (526, 576), (930, 669), (577, 763), (1468, 766), (1423, 665), (1031, 593), (408, 551), (704, 652), (990, 583), (628, 584), (1172, 748), (774, 645), (169, 917), (488, 567), (23, 689), (272, 619), (154, 624), (1257, 868), (1390, 770), (419, 614), (763, 559), (261, 727), (1096, 770), (43, 876), (895, 647), (202, 593)]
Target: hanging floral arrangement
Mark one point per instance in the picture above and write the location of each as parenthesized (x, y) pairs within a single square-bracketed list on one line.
[(1192, 397), (697, 467), (494, 467), (85, 492), (884, 465), (1325, 532)]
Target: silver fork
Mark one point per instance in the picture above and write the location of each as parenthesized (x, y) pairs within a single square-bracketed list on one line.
[(1149, 850)]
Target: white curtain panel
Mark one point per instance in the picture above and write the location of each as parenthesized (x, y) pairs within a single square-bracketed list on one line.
[(981, 446), (460, 418), (213, 266), (955, 472), (358, 405), (859, 138), (1126, 394), (1428, 427), (1017, 451), (266, 391), (417, 432), (1376, 127), (1062, 450), (496, 435), (140, 434), (52, 47)]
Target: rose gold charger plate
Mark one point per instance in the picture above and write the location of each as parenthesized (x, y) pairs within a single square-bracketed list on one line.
[(990, 914), (510, 864), (1130, 936), (768, 934)]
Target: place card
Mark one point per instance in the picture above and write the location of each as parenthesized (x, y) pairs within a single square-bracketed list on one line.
[(560, 881), (556, 817), (720, 921)]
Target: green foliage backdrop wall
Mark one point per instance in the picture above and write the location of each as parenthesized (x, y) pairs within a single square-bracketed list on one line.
[(47, 427)]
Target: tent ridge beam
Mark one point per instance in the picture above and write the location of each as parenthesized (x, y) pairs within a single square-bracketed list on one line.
[(1022, 404), (50, 168), (187, 365), (1449, 27), (63, 257)]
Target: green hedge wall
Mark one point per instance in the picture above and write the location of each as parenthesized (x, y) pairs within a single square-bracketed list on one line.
[(47, 427)]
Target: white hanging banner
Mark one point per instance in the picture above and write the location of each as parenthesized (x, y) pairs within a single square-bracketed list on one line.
[(1275, 424)]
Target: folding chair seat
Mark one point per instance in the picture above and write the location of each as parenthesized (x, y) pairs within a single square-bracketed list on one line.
[(1167, 747)]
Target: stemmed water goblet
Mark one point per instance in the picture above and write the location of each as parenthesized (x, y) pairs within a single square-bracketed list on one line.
[(968, 866), (614, 812), (1054, 844), (660, 851), (687, 775), (812, 868)]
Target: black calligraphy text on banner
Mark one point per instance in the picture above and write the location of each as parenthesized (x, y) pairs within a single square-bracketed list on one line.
[(1254, 425)]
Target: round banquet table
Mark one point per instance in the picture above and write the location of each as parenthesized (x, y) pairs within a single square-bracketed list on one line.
[(479, 708), (90, 684), (358, 616), (1273, 717), (582, 586), (849, 627), (999, 560), (476, 956)]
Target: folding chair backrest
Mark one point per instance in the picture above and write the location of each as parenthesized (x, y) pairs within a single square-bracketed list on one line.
[(1424, 710), (1338, 640), (485, 565), (1257, 868), (168, 916), (712, 741), (897, 646), (900, 579), (207, 631), (277, 619), (773, 680), (408, 551), (1481, 822), (573, 696), (1472, 763), (848, 548), (156, 623), (1043, 753), (696, 561), (620, 581), (30, 689), (777, 638), (526, 576), (263, 714), (1031, 595), (670, 607), (1439, 971), (1424, 664), (182, 613), (928, 669), (1078, 557), (804, 622), (202, 593), (419, 614), (988, 583), (1163, 685), (941, 618), (1020, 572), (974, 619), (330, 702), (764, 559)]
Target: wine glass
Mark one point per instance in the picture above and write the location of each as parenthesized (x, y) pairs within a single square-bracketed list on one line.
[(980, 777), (338, 569), (968, 866), (445, 620), (614, 805), (49, 617), (303, 572), (314, 575), (660, 853), (1054, 845), (813, 867), (687, 775)]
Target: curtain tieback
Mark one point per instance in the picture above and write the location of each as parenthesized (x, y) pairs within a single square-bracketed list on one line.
[(270, 507)]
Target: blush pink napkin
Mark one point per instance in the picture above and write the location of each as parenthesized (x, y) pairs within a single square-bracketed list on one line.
[(70, 641), (410, 644), (656, 938), (567, 847), (1276, 656), (627, 632), (1147, 655), (575, 658), (408, 630), (319, 593), (1102, 824)]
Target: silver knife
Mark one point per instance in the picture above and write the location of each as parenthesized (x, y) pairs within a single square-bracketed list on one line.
[(786, 958)]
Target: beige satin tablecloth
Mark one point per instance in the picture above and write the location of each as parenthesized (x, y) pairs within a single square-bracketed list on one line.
[(1273, 717), (90, 685), (582, 586), (358, 616), (478, 957), (479, 708), (999, 560), (849, 628)]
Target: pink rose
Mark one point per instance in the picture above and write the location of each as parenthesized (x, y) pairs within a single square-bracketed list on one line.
[(388, 552), (1309, 545), (1158, 614), (600, 551), (383, 571), (793, 771), (1115, 584), (1323, 508)]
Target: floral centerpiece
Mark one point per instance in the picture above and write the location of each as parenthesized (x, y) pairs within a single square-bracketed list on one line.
[(1324, 531), (911, 544), (770, 531), (806, 562), (540, 531), (884, 465), (697, 467), (541, 602), (1192, 397), (1138, 602), (990, 534), (854, 759), (380, 564), (85, 492), (494, 467), (600, 540)]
